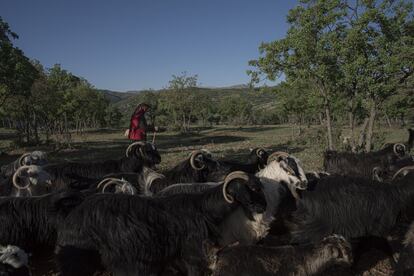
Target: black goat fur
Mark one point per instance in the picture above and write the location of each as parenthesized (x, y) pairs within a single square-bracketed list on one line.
[(64, 174), (140, 236), (184, 173), (252, 166), (31, 222), (299, 260), (352, 207), (359, 164)]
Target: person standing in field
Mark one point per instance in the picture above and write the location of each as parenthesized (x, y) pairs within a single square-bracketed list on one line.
[(138, 124)]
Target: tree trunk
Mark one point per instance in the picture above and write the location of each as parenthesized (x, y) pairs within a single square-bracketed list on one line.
[(362, 134), (370, 129), (352, 126), (387, 119), (320, 118), (329, 127), (35, 128), (402, 120)]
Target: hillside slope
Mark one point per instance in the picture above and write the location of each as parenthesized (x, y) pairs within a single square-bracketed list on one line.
[(126, 101)]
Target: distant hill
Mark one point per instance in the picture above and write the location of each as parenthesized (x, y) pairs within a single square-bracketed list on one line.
[(115, 96), (126, 101)]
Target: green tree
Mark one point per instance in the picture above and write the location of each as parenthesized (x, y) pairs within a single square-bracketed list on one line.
[(180, 98), (309, 51), (17, 74), (113, 117), (356, 53), (236, 110)]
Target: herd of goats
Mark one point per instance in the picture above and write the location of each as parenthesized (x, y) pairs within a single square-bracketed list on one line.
[(206, 216)]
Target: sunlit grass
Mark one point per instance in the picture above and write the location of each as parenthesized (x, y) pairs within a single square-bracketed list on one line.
[(230, 142)]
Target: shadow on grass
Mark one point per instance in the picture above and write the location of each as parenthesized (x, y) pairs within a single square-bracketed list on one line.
[(195, 140), (114, 148), (242, 154), (8, 136), (251, 129)]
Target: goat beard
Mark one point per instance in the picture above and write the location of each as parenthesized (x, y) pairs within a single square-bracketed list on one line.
[(248, 213)]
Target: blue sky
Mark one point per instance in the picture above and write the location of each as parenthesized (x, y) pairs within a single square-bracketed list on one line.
[(138, 44)]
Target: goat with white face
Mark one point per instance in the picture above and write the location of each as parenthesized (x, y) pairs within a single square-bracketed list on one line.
[(282, 175), (286, 169)]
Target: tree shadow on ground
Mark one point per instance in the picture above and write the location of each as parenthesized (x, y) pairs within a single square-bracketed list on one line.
[(173, 141), (251, 128), (241, 154)]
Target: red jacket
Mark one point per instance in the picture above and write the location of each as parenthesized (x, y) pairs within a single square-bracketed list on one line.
[(137, 127)]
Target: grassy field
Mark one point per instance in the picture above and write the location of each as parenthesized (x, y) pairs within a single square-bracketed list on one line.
[(228, 142)]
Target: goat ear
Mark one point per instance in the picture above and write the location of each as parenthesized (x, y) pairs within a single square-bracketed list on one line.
[(281, 158)]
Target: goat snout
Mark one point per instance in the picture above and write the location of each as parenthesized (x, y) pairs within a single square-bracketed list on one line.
[(303, 185)]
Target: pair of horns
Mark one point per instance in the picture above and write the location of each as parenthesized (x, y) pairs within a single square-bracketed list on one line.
[(139, 143), (275, 156), (194, 154), (403, 171), (17, 174), (230, 177), (112, 181)]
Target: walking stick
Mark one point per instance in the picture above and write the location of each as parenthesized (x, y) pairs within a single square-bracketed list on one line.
[(153, 137)]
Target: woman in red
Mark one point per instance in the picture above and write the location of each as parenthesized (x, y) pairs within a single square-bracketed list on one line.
[(138, 124)]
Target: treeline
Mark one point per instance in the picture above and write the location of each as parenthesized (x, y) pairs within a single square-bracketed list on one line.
[(346, 64), (182, 104), (40, 103)]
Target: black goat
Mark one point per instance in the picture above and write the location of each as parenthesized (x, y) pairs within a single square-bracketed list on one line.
[(300, 260), (281, 177), (352, 207), (140, 235), (386, 174), (31, 223), (38, 158), (362, 164), (257, 160), (28, 180), (138, 155), (196, 168)]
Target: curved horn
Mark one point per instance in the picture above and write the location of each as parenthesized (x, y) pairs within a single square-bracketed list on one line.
[(376, 173), (403, 169), (128, 150), (192, 161), (111, 179), (230, 177), (15, 178), (274, 156), (395, 148), (21, 158), (258, 150)]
